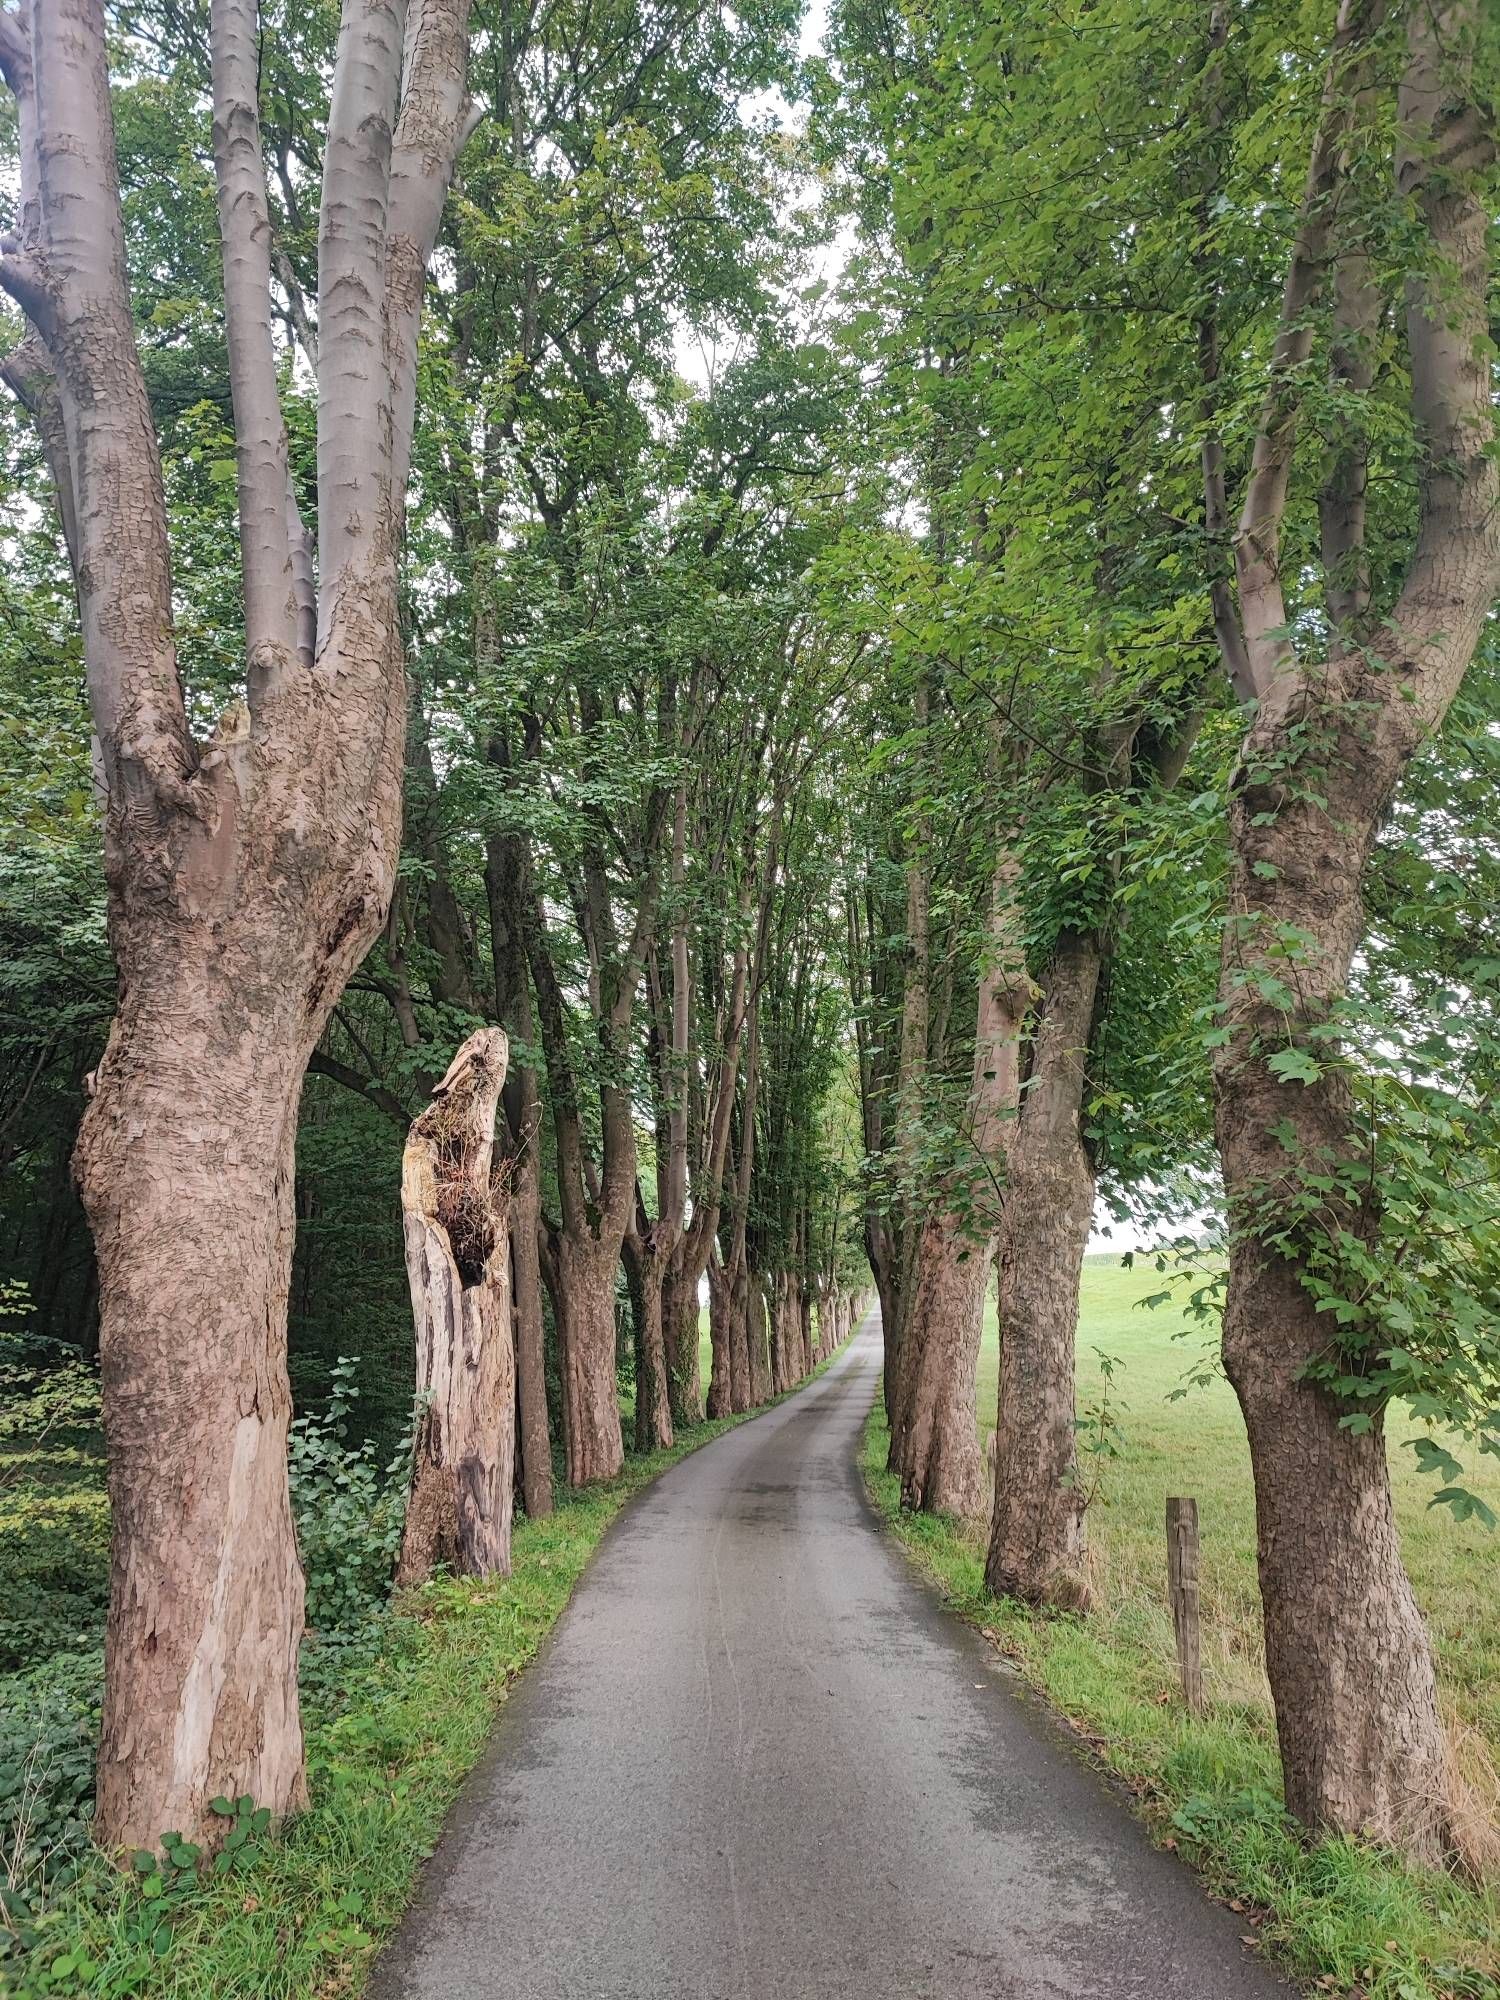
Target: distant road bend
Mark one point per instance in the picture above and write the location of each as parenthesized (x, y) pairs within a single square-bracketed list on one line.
[(757, 1761)]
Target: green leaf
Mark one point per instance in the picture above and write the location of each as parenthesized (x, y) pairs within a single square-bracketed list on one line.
[(1466, 1506), (1436, 1459), (1294, 1066)]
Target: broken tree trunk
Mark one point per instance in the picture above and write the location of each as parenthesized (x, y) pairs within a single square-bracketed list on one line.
[(458, 1266)]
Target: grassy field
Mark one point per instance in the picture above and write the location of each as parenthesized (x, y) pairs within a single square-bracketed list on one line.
[(1337, 1913), (1196, 1445)]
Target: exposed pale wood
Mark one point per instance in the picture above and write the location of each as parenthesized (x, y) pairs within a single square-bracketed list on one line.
[(456, 1227)]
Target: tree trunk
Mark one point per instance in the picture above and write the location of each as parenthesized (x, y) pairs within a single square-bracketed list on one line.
[(741, 1372), (458, 1266), (247, 872), (782, 1318), (506, 890), (1036, 1548), (938, 1456), (680, 1324), (757, 1332), (881, 1251), (533, 1433), (721, 1391), (193, 1228), (653, 1413), (586, 1339), (1347, 1652), (935, 1441)]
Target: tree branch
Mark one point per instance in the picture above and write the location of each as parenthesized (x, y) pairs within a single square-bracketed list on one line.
[(268, 521), (1257, 542), (1447, 145), (15, 51), (75, 232), (366, 1087), (354, 418), (28, 374), (435, 121), (299, 320), (1227, 630), (22, 277)]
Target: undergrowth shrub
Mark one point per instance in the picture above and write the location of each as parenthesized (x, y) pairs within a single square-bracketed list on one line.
[(46, 1387), (54, 1583), (54, 1523), (49, 1727), (54, 1573), (349, 1510)]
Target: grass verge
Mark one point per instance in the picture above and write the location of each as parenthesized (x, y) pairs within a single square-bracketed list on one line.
[(1352, 1919), (394, 1723)]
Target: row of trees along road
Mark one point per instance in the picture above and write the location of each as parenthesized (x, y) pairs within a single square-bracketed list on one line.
[(1202, 442), (1009, 734), (606, 730)]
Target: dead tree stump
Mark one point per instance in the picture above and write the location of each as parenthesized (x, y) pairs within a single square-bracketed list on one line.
[(455, 1222)]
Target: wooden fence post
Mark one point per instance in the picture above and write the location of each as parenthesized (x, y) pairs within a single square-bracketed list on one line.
[(1182, 1586)]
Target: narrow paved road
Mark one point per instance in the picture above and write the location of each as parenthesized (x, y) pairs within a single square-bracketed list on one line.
[(757, 1761)]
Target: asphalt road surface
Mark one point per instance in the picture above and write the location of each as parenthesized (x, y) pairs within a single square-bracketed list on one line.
[(757, 1761)]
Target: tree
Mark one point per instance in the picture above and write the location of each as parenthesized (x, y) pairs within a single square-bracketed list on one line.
[(934, 1446), (248, 868), (1340, 704)]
